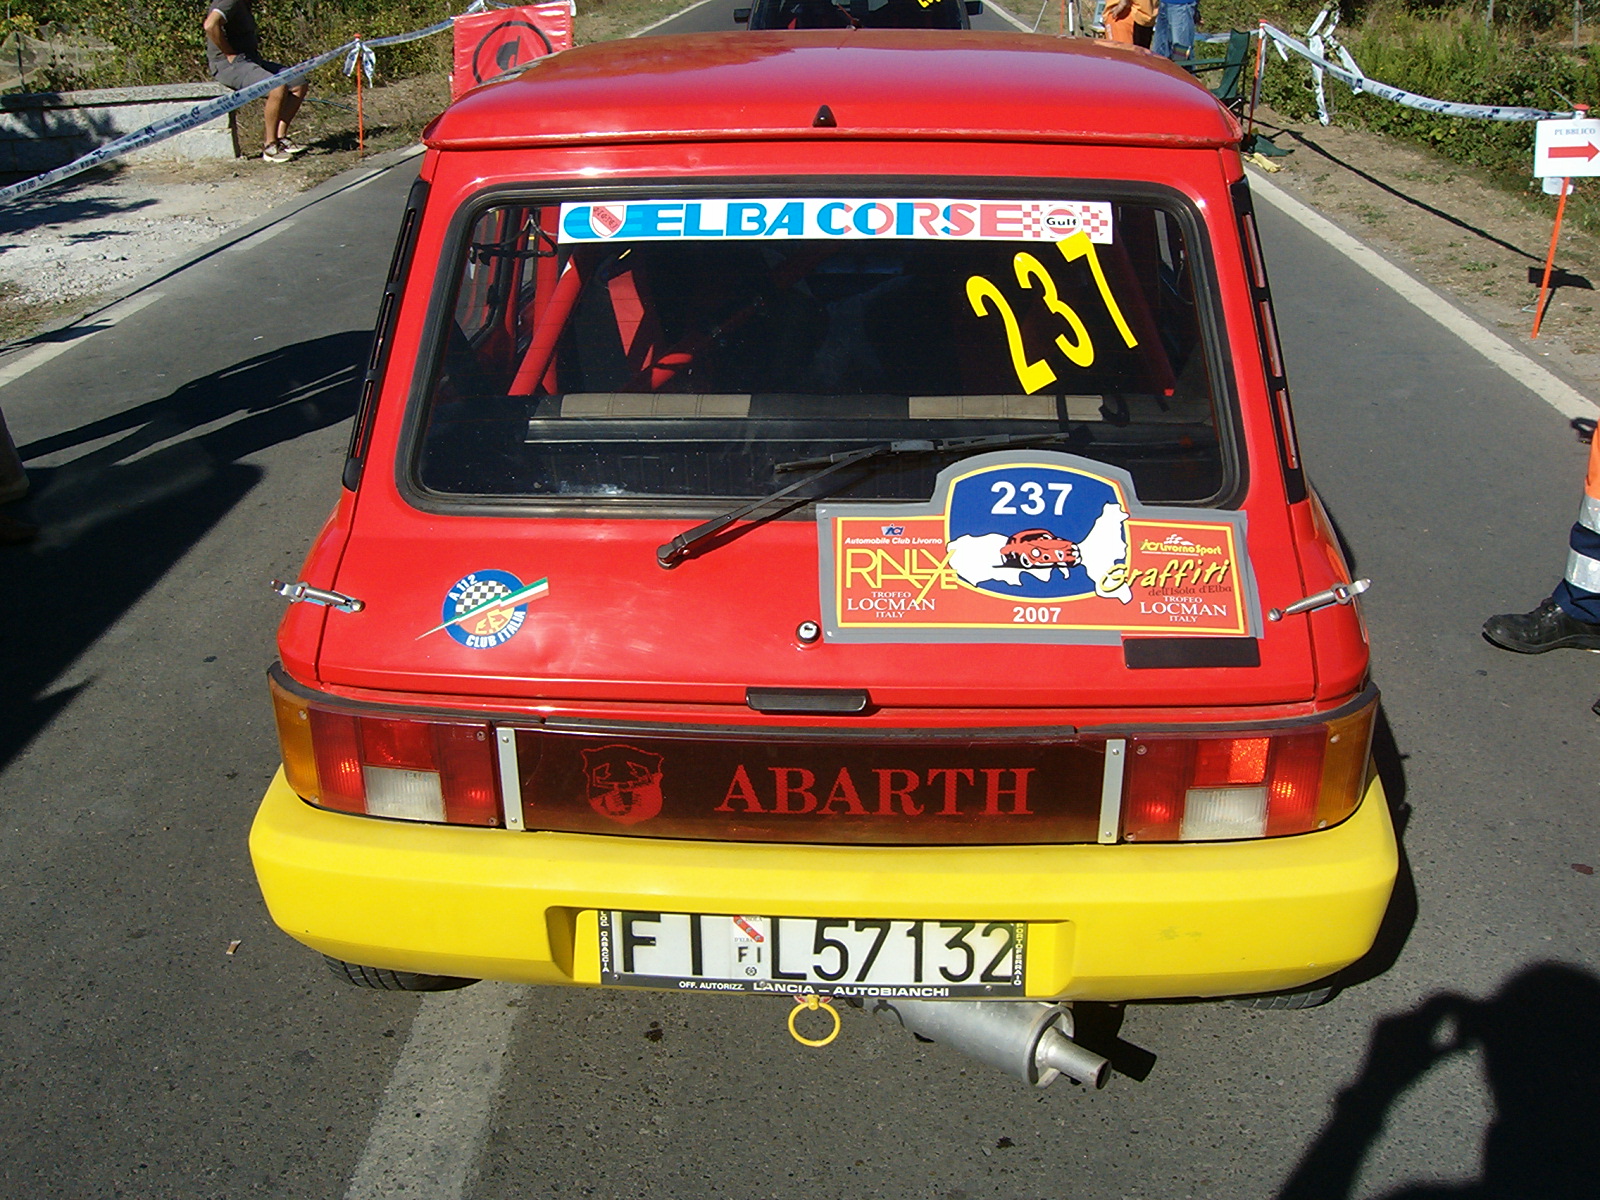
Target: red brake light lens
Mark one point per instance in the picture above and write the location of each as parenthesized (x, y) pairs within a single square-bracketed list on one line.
[(1219, 762)]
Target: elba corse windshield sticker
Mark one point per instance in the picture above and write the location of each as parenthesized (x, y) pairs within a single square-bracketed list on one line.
[(832, 219), (1032, 546), (486, 608)]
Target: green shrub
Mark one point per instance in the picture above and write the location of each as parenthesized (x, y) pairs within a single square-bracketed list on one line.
[(160, 41), (1447, 55)]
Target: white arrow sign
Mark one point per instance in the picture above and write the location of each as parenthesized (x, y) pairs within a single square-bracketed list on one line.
[(1566, 148)]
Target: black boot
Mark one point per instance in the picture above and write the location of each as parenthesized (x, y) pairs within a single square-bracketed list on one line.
[(1547, 627)]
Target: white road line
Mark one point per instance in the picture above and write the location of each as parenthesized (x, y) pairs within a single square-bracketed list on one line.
[(1566, 400), (41, 354), (673, 17), (378, 172), (434, 1115), (265, 234), (1005, 16)]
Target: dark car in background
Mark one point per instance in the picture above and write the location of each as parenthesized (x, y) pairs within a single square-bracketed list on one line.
[(860, 14)]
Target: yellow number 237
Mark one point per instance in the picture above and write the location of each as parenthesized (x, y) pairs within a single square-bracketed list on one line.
[(987, 299)]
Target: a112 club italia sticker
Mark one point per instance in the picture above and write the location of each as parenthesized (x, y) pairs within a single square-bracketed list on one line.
[(1032, 546), (486, 608)]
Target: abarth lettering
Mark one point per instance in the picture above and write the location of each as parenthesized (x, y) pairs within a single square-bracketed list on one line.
[(890, 792)]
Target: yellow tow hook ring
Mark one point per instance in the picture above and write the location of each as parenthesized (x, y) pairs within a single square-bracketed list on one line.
[(811, 1002)]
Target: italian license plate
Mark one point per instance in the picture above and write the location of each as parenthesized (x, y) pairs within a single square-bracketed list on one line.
[(836, 956)]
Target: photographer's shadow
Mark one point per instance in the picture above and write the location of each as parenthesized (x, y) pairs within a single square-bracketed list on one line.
[(1539, 1039)]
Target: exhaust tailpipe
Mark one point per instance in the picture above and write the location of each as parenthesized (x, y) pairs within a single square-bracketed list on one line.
[(1028, 1040)]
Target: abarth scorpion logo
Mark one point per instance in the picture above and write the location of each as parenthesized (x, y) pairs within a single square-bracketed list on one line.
[(624, 782)]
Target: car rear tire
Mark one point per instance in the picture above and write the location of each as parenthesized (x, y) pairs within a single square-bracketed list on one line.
[(393, 981), (1309, 998)]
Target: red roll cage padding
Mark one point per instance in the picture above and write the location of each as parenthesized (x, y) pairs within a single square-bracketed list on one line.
[(1143, 321), (547, 330)]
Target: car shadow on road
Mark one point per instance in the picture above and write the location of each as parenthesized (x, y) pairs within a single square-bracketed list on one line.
[(1401, 915), (1389, 762), (116, 518), (1539, 1042)]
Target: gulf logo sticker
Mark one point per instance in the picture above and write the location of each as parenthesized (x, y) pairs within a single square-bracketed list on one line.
[(486, 608), (822, 219)]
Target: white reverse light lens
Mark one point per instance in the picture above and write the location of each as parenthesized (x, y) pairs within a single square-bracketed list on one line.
[(1219, 813), (408, 795)]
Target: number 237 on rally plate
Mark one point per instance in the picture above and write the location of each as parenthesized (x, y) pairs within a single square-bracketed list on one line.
[(1566, 148)]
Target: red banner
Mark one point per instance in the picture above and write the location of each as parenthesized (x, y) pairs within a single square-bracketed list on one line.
[(491, 44)]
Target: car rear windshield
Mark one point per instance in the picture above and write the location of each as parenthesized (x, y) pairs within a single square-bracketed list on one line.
[(678, 350)]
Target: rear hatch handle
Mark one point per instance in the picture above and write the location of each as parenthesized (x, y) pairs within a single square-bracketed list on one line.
[(1339, 593), (296, 593)]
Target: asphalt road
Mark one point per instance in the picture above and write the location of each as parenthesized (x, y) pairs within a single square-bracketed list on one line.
[(185, 447)]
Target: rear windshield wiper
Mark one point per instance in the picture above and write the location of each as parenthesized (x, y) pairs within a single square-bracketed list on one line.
[(669, 553)]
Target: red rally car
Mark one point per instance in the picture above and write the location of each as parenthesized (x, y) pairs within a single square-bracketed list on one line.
[(664, 634)]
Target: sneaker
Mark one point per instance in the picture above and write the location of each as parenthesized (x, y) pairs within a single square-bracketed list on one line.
[(1547, 627), (291, 146), (275, 153)]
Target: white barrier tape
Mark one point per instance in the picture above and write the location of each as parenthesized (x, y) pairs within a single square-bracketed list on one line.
[(1319, 48), (1356, 81), (210, 110), (368, 57)]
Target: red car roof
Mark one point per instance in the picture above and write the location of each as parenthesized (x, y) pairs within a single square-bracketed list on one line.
[(878, 84)]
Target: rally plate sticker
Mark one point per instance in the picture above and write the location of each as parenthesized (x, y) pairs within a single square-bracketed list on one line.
[(788, 955), (1032, 546), (825, 219)]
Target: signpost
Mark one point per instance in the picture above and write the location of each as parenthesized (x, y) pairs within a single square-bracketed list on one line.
[(1562, 149), (1566, 148)]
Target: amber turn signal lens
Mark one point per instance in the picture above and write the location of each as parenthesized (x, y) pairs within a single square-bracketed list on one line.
[(1344, 769), (294, 742)]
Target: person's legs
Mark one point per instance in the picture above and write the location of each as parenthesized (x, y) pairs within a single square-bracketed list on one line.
[(1570, 618), (1578, 593), (1180, 31), (290, 105), (13, 479), (241, 73), (270, 134), (1161, 40), (13, 486)]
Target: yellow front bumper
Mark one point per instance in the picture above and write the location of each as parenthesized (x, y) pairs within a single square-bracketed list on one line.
[(1121, 922)]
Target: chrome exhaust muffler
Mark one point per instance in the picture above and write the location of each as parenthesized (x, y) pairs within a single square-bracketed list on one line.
[(1026, 1039)]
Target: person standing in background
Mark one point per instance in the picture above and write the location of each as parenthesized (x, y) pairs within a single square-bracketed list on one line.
[(13, 487), (1569, 618), (233, 52), (1131, 21), (1174, 30)]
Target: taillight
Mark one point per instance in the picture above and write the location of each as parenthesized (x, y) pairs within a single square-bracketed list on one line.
[(412, 769), (1247, 785)]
